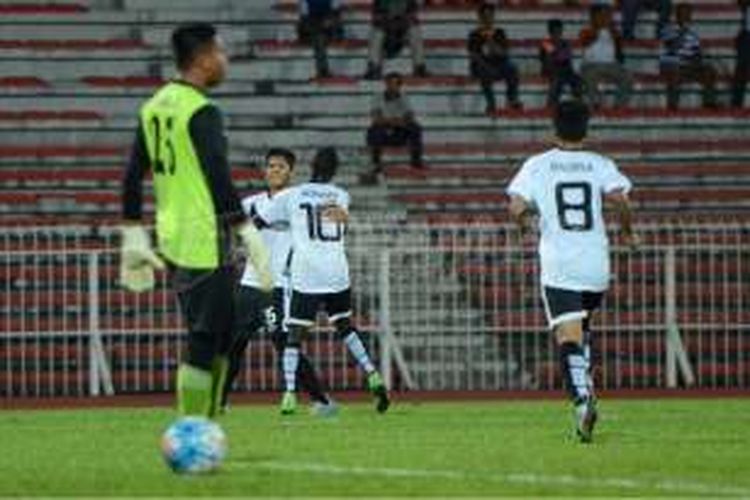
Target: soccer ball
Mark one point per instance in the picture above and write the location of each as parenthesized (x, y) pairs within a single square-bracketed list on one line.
[(194, 445)]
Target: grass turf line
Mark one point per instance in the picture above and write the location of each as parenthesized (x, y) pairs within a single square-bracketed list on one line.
[(645, 448)]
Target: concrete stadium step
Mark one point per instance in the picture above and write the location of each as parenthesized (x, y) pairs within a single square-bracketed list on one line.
[(88, 176), (123, 95), (45, 119), (106, 132), (664, 198), (301, 68), (57, 10), (517, 7), (435, 84), (168, 5), (62, 33), (445, 40), (491, 173), (76, 49), (75, 68)]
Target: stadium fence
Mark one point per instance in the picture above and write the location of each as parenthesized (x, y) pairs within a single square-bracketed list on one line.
[(443, 307)]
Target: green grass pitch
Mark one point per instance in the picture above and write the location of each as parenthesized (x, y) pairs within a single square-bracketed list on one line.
[(643, 448)]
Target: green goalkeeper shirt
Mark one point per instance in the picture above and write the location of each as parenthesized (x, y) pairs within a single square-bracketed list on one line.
[(180, 139)]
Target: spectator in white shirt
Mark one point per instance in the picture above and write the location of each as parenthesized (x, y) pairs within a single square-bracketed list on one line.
[(602, 59)]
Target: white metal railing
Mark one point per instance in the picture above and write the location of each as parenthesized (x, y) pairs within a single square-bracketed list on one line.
[(443, 307)]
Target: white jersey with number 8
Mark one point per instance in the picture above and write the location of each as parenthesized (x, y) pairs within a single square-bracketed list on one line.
[(319, 262), (566, 187)]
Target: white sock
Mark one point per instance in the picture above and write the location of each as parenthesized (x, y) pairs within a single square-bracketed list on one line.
[(357, 349), (587, 360), (290, 363), (578, 369)]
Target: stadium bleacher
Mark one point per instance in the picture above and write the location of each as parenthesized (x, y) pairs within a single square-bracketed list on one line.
[(74, 73)]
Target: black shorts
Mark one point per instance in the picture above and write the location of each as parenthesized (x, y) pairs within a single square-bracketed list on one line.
[(202, 295), (305, 306), (253, 309), (566, 305)]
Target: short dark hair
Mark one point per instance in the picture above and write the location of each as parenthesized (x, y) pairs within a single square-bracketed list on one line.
[(486, 7), (554, 24), (285, 153), (571, 120), (393, 74), (324, 164), (188, 40)]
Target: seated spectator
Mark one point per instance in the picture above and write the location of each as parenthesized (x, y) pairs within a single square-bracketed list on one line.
[(320, 22), (742, 62), (394, 22), (682, 59), (393, 124), (602, 59), (629, 11), (489, 59), (556, 57)]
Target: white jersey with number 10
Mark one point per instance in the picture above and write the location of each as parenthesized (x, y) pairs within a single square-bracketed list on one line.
[(319, 262), (566, 187)]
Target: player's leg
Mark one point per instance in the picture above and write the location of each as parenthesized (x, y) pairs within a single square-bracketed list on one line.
[(249, 303), (565, 314), (303, 309), (591, 302), (307, 376), (339, 310), (208, 316)]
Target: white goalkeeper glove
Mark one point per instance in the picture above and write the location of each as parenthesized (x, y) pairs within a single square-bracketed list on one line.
[(137, 260), (257, 253)]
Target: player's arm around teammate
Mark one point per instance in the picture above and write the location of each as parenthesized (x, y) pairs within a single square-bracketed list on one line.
[(256, 310), (180, 138), (317, 212)]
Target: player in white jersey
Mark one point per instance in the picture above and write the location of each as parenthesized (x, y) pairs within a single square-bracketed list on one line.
[(254, 309), (317, 213), (567, 187)]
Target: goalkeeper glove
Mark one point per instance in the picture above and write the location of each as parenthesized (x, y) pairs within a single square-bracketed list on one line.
[(137, 260), (257, 253)]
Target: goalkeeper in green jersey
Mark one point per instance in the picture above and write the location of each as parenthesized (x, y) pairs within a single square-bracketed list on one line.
[(180, 138)]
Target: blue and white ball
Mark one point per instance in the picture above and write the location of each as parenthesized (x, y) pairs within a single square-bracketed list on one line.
[(194, 445)]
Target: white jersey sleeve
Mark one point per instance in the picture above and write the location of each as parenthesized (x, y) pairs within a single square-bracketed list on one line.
[(613, 180), (522, 184), (275, 235)]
